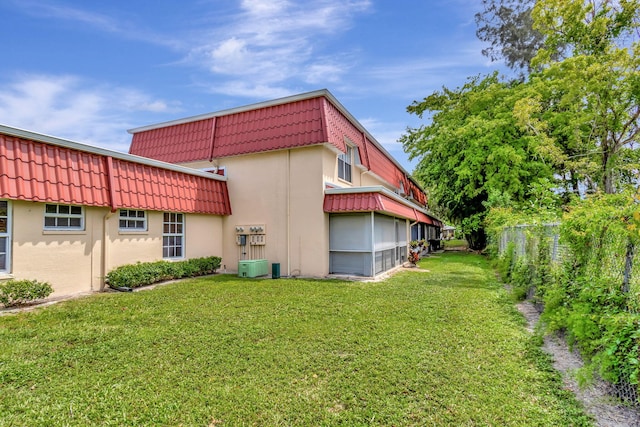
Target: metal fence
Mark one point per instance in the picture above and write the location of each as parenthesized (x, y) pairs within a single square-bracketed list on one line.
[(617, 264)]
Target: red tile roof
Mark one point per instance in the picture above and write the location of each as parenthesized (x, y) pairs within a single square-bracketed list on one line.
[(306, 119), (263, 129), (182, 142), (45, 169), (373, 199)]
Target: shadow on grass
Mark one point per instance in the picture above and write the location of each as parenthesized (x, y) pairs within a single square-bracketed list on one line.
[(459, 270)]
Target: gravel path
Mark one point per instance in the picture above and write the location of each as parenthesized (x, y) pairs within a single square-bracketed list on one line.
[(596, 400)]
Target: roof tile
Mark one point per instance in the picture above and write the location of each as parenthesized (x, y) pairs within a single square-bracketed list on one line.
[(295, 123), (37, 171), (366, 202)]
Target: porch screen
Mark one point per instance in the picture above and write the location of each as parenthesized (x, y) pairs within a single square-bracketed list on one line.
[(350, 239), (385, 232), (4, 235)]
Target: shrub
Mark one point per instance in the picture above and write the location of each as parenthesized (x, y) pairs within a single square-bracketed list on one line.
[(15, 292), (147, 273), (592, 294)]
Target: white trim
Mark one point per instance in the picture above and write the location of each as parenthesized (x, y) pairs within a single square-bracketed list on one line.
[(136, 219), (65, 232), (215, 170), (68, 216), (182, 235), (52, 140), (347, 163), (331, 147)]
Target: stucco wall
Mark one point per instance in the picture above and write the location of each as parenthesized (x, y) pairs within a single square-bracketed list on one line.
[(203, 236), (283, 190), (127, 247), (73, 261), (69, 260)]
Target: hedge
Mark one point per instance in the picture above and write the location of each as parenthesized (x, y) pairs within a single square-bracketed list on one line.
[(16, 292), (592, 293), (147, 273)]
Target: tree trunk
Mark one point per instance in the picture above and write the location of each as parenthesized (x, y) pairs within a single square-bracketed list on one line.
[(477, 239), (607, 173), (628, 266)]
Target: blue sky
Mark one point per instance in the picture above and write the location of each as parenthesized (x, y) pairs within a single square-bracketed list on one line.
[(89, 70)]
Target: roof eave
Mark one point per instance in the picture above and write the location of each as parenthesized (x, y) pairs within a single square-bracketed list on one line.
[(279, 101), (48, 139), (236, 110), (381, 190)]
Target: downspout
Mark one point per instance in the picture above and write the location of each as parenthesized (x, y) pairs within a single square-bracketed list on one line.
[(105, 221), (417, 221), (373, 245), (288, 213), (105, 248)]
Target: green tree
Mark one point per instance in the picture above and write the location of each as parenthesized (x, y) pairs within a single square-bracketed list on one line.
[(472, 154), (508, 27), (585, 109)]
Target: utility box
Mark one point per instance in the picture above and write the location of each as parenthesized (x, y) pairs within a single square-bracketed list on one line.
[(275, 270), (253, 268)]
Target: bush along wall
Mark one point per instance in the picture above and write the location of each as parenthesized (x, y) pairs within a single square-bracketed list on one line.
[(18, 292), (147, 273), (591, 293)]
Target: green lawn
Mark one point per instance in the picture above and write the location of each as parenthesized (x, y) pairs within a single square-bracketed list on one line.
[(455, 243), (443, 347)]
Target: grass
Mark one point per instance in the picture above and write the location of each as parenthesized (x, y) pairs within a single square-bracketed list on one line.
[(443, 347), (455, 243)]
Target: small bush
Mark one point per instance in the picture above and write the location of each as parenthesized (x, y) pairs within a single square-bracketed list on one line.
[(15, 292), (147, 273)]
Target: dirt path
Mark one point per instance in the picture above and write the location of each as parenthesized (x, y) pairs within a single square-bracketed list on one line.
[(597, 402)]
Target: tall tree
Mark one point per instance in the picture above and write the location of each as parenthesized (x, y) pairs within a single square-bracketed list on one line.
[(473, 154), (585, 109), (508, 28)]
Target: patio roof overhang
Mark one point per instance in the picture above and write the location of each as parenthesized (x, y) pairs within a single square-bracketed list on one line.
[(375, 199)]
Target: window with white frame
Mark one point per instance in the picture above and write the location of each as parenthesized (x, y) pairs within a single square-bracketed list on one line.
[(63, 217), (133, 220), (345, 160), (5, 236), (173, 235)]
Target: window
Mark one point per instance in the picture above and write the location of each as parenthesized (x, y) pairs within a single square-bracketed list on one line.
[(344, 164), (5, 237), (63, 217), (173, 235), (132, 220)]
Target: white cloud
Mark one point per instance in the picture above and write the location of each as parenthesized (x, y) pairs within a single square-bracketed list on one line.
[(69, 107), (388, 134), (264, 7), (250, 90), (102, 22), (324, 72), (270, 42), (421, 76)]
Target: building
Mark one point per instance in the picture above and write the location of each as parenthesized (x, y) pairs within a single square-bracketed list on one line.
[(295, 181)]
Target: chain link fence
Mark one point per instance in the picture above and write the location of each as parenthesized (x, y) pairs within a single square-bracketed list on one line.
[(619, 263)]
